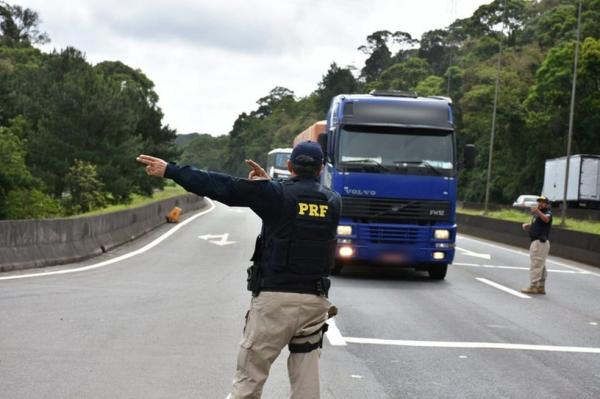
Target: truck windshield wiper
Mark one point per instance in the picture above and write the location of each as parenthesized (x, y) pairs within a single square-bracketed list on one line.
[(426, 163), (367, 162)]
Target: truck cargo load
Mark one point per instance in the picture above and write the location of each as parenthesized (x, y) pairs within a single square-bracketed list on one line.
[(311, 133)]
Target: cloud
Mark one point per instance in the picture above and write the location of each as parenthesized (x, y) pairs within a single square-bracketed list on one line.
[(200, 24), (211, 60)]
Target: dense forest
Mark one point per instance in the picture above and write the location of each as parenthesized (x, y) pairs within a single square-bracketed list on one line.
[(460, 61), (69, 130)]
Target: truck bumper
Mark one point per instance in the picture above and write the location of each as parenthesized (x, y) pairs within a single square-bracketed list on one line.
[(397, 244)]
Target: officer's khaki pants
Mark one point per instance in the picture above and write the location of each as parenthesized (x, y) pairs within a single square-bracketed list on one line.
[(538, 252), (273, 320)]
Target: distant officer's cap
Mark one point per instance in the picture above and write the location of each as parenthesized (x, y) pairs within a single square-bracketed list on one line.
[(312, 152), (543, 199)]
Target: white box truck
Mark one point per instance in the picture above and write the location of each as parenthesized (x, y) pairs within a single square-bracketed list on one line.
[(583, 189)]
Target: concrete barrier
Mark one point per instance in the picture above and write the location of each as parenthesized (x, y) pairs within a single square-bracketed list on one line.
[(582, 247), (36, 243)]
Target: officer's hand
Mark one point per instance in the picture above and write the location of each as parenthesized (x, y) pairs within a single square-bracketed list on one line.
[(256, 172), (534, 209), (154, 166), (526, 226)]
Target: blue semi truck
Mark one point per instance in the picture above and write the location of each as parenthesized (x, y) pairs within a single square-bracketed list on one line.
[(392, 157)]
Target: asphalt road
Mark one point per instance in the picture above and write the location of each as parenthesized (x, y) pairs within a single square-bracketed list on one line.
[(163, 319)]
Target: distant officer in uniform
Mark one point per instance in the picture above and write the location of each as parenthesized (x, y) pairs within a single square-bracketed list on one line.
[(539, 232), (293, 257)]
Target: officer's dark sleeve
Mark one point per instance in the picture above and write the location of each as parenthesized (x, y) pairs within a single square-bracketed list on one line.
[(259, 195)]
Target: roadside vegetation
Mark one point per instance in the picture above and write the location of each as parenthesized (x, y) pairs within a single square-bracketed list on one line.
[(514, 215), (137, 200)]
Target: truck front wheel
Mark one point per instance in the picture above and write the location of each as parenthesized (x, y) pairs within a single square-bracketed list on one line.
[(437, 272)]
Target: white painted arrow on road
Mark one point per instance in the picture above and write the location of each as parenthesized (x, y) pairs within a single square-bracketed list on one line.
[(222, 239), (474, 254)]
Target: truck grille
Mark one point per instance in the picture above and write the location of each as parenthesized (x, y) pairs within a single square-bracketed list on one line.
[(393, 235), (390, 210)]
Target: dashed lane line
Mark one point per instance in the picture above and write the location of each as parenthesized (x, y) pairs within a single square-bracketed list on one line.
[(514, 268), (502, 288), (523, 253), (119, 258)]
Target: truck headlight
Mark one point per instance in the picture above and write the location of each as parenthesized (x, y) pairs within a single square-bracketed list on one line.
[(344, 230), (346, 251), (441, 234)]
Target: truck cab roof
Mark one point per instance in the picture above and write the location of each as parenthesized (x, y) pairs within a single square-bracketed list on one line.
[(402, 109)]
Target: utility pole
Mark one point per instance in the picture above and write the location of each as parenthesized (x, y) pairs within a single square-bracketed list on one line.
[(492, 134), (563, 214)]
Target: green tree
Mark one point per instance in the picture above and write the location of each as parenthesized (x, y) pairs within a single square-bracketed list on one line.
[(84, 189), (436, 50), (336, 81), (379, 55), (404, 75), (19, 26), (431, 86), (20, 193), (549, 99), (206, 152)]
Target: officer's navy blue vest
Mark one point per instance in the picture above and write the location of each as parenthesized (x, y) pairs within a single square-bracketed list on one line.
[(298, 250), (540, 230)]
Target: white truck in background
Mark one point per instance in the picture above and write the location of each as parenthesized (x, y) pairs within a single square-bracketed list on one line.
[(583, 189), (277, 163)]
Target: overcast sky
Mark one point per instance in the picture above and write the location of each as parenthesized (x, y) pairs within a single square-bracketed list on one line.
[(211, 60)]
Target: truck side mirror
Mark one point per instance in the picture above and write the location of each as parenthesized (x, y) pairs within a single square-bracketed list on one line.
[(470, 151), (322, 140)]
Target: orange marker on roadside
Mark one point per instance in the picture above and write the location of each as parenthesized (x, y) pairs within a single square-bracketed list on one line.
[(173, 215)]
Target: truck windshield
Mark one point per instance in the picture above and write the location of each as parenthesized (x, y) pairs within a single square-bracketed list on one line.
[(396, 149), (278, 160), (281, 160)]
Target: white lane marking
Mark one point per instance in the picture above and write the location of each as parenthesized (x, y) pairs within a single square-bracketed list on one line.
[(514, 268), (356, 376), (119, 258), (504, 248), (474, 254), (222, 239), (333, 334), (465, 264), (502, 288), (593, 323), (472, 345)]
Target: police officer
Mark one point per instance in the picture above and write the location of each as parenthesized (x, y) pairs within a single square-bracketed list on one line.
[(293, 257), (539, 233)]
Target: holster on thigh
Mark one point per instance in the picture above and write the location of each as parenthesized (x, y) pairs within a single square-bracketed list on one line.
[(308, 343)]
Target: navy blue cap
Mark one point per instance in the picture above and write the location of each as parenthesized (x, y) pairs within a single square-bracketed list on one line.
[(308, 148)]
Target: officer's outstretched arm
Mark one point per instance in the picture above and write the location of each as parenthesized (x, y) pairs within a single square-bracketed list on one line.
[(256, 192)]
